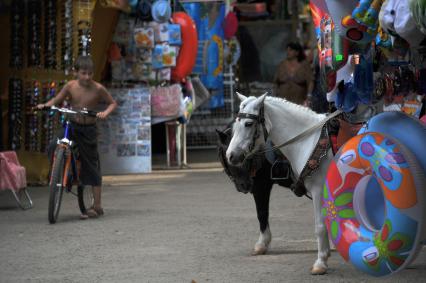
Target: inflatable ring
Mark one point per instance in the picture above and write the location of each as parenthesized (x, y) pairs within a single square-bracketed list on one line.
[(185, 61), (373, 204)]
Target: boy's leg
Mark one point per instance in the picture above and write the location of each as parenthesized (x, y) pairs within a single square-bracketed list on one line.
[(96, 210), (97, 190)]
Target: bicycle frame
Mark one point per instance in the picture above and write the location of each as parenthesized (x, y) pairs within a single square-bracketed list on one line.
[(70, 160)]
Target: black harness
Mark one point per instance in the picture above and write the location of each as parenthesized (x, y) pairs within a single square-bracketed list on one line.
[(258, 119), (240, 176)]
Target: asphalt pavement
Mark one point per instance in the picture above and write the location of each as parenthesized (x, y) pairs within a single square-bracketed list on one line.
[(169, 226)]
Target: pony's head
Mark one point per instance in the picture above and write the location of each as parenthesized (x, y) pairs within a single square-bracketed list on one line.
[(249, 130), (240, 176)]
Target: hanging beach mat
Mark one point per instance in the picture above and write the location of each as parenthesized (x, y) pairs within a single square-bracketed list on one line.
[(333, 51), (356, 20), (323, 29), (329, 40), (208, 18)]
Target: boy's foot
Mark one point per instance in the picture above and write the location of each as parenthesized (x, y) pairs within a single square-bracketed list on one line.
[(91, 213), (84, 216), (99, 211)]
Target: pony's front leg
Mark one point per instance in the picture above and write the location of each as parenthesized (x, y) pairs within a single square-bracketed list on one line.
[(320, 265), (262, 244), (261, 194)]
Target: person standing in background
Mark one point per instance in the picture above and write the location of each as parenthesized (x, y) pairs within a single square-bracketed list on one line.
[(294, 78)]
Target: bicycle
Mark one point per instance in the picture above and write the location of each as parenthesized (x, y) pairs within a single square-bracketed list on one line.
[(64, 171)]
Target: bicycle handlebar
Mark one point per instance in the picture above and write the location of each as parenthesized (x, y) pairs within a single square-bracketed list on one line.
[(83, 112)]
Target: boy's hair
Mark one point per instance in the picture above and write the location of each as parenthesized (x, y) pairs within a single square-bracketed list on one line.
[(83, 62)]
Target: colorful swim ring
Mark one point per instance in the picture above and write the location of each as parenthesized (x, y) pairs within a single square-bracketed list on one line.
[(373, 204)]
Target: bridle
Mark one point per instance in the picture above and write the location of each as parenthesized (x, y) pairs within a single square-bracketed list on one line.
[(258, 119)]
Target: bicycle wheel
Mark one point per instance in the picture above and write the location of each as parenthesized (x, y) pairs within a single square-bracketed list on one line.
[(85, 198), (55, 185)]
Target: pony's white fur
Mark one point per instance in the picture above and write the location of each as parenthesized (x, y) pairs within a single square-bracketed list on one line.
[(285, 120)]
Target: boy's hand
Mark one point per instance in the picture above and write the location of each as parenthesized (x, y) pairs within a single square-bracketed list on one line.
[(101, 115), (40, 106)]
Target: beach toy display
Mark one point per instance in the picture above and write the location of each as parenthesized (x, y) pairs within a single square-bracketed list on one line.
[(374, 204)]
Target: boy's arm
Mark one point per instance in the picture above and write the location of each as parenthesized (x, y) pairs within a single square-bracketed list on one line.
[(58, 99), (112, 104)]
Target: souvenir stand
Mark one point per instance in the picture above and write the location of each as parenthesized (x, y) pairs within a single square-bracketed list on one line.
[(179, 55), (42, 38), (372, 60), (143, 51), (175, 53)]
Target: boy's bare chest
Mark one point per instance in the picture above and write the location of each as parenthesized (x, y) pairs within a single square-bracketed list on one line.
[(84, 98)]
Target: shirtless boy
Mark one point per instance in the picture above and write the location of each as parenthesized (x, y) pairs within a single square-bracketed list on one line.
[(84, 92)]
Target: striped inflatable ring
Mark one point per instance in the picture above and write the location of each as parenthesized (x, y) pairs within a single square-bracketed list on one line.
[(373, 204)]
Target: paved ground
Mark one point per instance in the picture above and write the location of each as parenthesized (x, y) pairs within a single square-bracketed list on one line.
[(168, 226)]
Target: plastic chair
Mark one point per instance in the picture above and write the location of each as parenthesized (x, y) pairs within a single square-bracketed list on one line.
[(13, 178)]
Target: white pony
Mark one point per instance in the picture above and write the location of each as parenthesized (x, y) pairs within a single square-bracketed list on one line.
[(283, 121)]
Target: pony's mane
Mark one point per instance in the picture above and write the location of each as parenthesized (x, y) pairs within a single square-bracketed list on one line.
[(280, 100)]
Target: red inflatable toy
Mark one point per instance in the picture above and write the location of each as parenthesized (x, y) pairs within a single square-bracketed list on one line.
[(188, 51)]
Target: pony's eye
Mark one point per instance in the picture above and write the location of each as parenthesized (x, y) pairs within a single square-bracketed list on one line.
[(248, 124)]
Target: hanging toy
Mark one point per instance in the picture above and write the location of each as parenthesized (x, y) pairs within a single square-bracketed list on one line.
[(383, 39), (355, 20), (343, 75)]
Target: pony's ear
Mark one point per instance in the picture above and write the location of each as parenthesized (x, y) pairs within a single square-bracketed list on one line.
[(260, 99), (241, 97), (222, 137)]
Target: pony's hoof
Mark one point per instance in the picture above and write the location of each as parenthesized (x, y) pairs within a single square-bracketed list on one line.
[(318, 271), (259, 250)]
